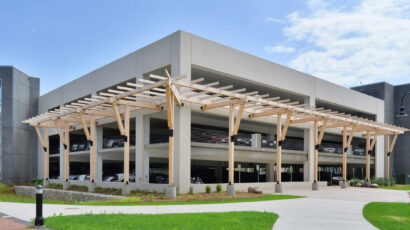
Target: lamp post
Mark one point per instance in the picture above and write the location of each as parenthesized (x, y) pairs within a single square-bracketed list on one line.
[(402, 112), (39, 220)]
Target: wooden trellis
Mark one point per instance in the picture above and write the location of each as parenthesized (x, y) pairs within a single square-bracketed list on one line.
[(119, 101)]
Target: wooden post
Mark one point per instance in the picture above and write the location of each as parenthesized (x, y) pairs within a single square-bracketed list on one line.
[(387, 156), (368, 156), (92, 148), (344, 154), (46, 154), (315, 153), (170, 117), (67, 151), (279, 149), (231, 143), (127, 145)]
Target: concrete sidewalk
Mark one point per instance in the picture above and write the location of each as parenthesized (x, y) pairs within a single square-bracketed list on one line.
[(329, 208), (305, 213)]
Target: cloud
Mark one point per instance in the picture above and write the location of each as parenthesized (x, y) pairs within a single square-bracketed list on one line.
[(279, 49), (275, 20), (367, 43)]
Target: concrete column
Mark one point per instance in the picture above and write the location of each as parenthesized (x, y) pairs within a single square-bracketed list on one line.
[(147, 133), (309, 146), (181, 65), (270, 177), (98, 155), (379, 147), (140, 135), (256, 140)]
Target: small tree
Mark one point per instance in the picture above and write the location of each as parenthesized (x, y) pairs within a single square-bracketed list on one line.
[(218, 188), (208, 189), (191, 190)]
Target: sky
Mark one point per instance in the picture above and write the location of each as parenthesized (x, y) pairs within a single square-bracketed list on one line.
[(349, 42)]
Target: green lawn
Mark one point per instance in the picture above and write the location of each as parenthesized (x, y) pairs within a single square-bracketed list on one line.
[(195, 221), (398, 187), (386, 215), (11, 197)]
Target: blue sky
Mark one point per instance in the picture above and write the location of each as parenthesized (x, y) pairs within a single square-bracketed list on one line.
[(347, 43)]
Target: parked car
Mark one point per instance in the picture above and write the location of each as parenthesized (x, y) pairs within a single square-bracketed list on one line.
[(196, 180), (83, 177), (119, 177), (109, 178), (158, 178), (73, 177), (336, 180)]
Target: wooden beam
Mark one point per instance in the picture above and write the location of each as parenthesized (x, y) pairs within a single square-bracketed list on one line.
[(87, 133), (315, 152), (239, 118), (286, 126), (279, 148), (351, 134), (231, 143), (170, 118), (344, 154), (387, 157), (307, 119), (393, 142), (60, 134), (118, 119), (373, 141), (268, 112), (40, 136), (219, 104), (93, 146), (139, 104), (368, 148), (322, 131), (46, 155), (127, 145), (67, 151)]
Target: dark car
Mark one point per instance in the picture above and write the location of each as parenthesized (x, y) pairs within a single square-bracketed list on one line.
[(158, 178)]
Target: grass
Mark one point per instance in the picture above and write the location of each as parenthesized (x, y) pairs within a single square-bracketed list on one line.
[(397, 187), (386, 215), (185, 221)]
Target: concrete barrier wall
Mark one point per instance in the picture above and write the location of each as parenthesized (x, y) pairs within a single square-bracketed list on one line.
[(269, 186), (56, 194)]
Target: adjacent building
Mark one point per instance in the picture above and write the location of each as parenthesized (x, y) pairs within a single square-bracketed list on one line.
[(18, 142), (392, 96)]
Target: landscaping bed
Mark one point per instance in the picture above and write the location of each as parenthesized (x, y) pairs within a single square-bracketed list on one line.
[(194, 221)]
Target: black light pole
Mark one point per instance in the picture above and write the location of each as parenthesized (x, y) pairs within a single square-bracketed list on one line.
[(402, 112), (39, 221)]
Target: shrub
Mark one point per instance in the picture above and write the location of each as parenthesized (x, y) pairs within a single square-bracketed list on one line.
[(4, 188), (151, 197), (208, 189), (218, 188), (191, 190), (392, 181), (379, 181), (36, 181)]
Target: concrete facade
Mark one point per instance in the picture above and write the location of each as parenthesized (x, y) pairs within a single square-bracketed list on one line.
[(400, 158), (184, 53), (19, 101)]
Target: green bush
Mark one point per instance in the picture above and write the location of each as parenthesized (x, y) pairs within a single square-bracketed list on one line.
[(36, 181), (380, 181), (4, 188), (355, 181), (191, 190), (392, 181), (218, 188), (208, 189)]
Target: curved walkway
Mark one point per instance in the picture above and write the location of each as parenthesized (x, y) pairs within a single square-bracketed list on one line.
[(303, 213)]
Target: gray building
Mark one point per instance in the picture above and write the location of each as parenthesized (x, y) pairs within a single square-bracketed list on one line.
[(400, 163), (19, 100)]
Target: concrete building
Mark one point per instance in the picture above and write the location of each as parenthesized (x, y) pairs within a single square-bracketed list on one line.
[(200, 138), (392, 95), (18, 144)]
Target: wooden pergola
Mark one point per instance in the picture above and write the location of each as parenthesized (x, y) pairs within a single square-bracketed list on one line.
[(117, 102)]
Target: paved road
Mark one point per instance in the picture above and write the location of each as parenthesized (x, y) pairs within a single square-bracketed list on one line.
[(306, 213)]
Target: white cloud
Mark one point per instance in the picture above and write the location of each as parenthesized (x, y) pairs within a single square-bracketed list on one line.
[(366, 43), (274, 20), (279, 49)]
